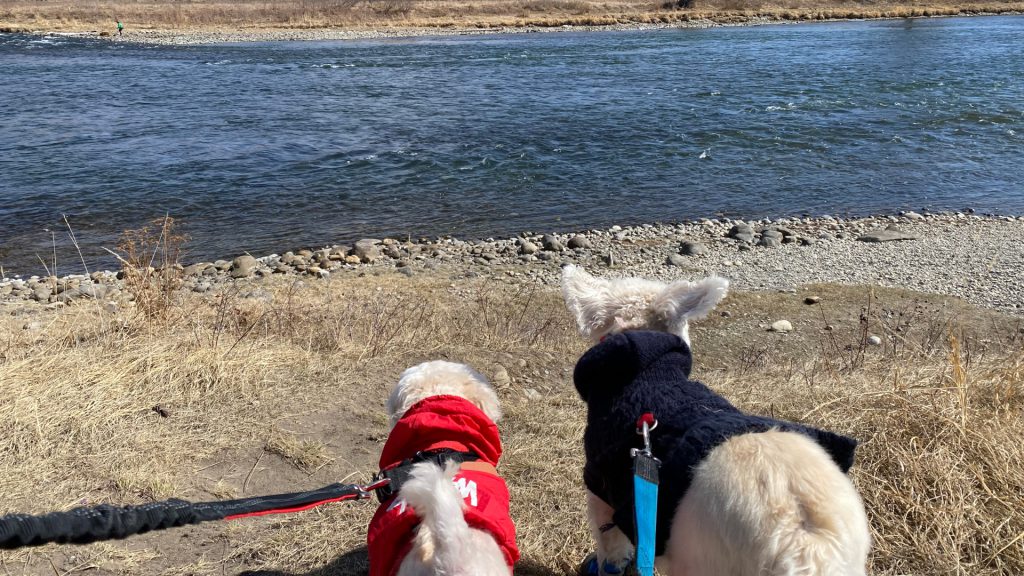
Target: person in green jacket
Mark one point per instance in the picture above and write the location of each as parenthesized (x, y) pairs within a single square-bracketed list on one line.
[(120, 28)]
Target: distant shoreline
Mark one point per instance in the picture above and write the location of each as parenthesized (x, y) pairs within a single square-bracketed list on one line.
[(271, 32)]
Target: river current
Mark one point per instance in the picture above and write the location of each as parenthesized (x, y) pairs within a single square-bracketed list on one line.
[(265, 147)]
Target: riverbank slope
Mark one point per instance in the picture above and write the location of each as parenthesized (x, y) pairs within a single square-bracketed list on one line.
[(248, 381)]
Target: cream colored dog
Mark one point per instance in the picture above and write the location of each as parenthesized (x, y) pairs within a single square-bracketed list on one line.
[(450, 521), (760, 504)]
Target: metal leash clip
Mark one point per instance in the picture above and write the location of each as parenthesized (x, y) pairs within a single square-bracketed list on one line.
[(367, 491)]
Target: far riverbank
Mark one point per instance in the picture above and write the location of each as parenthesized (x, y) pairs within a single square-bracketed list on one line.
[(194, 24)]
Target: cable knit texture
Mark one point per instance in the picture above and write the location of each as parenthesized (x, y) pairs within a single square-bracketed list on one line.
[(635, 372)]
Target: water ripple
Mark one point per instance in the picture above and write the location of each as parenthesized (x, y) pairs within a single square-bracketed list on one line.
[(265, 147)]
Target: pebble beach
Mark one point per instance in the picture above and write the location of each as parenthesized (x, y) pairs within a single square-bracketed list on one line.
[(977, 258)]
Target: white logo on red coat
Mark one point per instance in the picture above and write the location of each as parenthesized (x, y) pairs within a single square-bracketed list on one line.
[(466, 488)]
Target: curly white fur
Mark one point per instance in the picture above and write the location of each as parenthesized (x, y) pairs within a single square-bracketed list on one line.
[(603, 306), (442, 377), (444, 545), (765, 504)]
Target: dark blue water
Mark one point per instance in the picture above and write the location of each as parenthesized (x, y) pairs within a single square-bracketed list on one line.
[(271, 146)]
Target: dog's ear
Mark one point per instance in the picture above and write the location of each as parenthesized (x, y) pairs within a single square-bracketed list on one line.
[(682, 301), (588, 300)]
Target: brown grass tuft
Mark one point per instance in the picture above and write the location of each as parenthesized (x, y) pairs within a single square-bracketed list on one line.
[(150, 266)]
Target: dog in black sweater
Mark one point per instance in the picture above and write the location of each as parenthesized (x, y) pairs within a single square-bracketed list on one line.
[(740, 495)]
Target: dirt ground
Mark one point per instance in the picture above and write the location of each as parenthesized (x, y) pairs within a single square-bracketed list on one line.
[(279, 386)]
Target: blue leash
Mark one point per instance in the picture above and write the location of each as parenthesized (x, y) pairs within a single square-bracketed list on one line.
[(645, 496)]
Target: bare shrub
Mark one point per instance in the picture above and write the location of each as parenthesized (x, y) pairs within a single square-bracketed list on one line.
[(150, 266)]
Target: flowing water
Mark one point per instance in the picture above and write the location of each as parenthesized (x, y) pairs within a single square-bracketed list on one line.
[(265, 147)]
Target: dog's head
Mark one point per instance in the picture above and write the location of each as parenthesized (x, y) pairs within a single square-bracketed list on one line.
[(440, 377), (607, 306)]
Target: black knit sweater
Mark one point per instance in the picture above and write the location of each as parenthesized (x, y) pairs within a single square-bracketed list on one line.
[(635, 372)]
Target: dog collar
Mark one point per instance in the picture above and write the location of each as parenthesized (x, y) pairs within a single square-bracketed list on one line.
[(399, 473)]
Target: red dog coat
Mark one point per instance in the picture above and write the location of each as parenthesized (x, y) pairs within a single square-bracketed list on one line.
[(430, 424)]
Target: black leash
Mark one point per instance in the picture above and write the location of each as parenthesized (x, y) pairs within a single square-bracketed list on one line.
[(106, 522)]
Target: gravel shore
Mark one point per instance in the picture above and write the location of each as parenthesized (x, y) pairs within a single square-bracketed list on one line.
[(977, 258), (198, 37)]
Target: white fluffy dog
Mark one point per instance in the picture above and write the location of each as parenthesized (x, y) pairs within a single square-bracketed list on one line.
[(450, 514), (766, 503)]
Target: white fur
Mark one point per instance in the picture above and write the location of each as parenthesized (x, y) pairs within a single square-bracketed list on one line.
[(441, 377), (444, 544), (761, 504), (605, 306)]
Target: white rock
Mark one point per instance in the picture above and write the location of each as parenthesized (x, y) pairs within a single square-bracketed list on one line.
[(781, 326)]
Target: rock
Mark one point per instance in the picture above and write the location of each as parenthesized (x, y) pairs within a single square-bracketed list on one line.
[(551, 243), (352, 259), (874, 340), (501, 379), (889, 234), (770, 241), (223, 265), (812, 299), (366, 250), (742, 232), (527, 247), (41, 293), (202, 287), (580, 242), (689, 248), (243, 266), (781, 326), (912, 215), (676, 260), (532, 394), (805, 241), (94, 291), (608, 259), (196, 269), (407, 271)]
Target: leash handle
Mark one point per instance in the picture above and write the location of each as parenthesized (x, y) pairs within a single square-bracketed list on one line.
[(105, 522), (645, 497)]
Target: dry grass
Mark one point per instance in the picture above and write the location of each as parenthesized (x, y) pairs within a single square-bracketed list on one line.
[(283, 390), (150, 267), (64, 15)]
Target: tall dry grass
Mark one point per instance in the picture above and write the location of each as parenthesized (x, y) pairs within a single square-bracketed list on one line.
[(64, 15), (278, 386)]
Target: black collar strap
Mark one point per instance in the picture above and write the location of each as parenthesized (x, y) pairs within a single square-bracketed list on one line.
[(399, 473)]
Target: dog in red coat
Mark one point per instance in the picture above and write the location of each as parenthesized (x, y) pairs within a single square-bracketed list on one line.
[(447, 511)]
